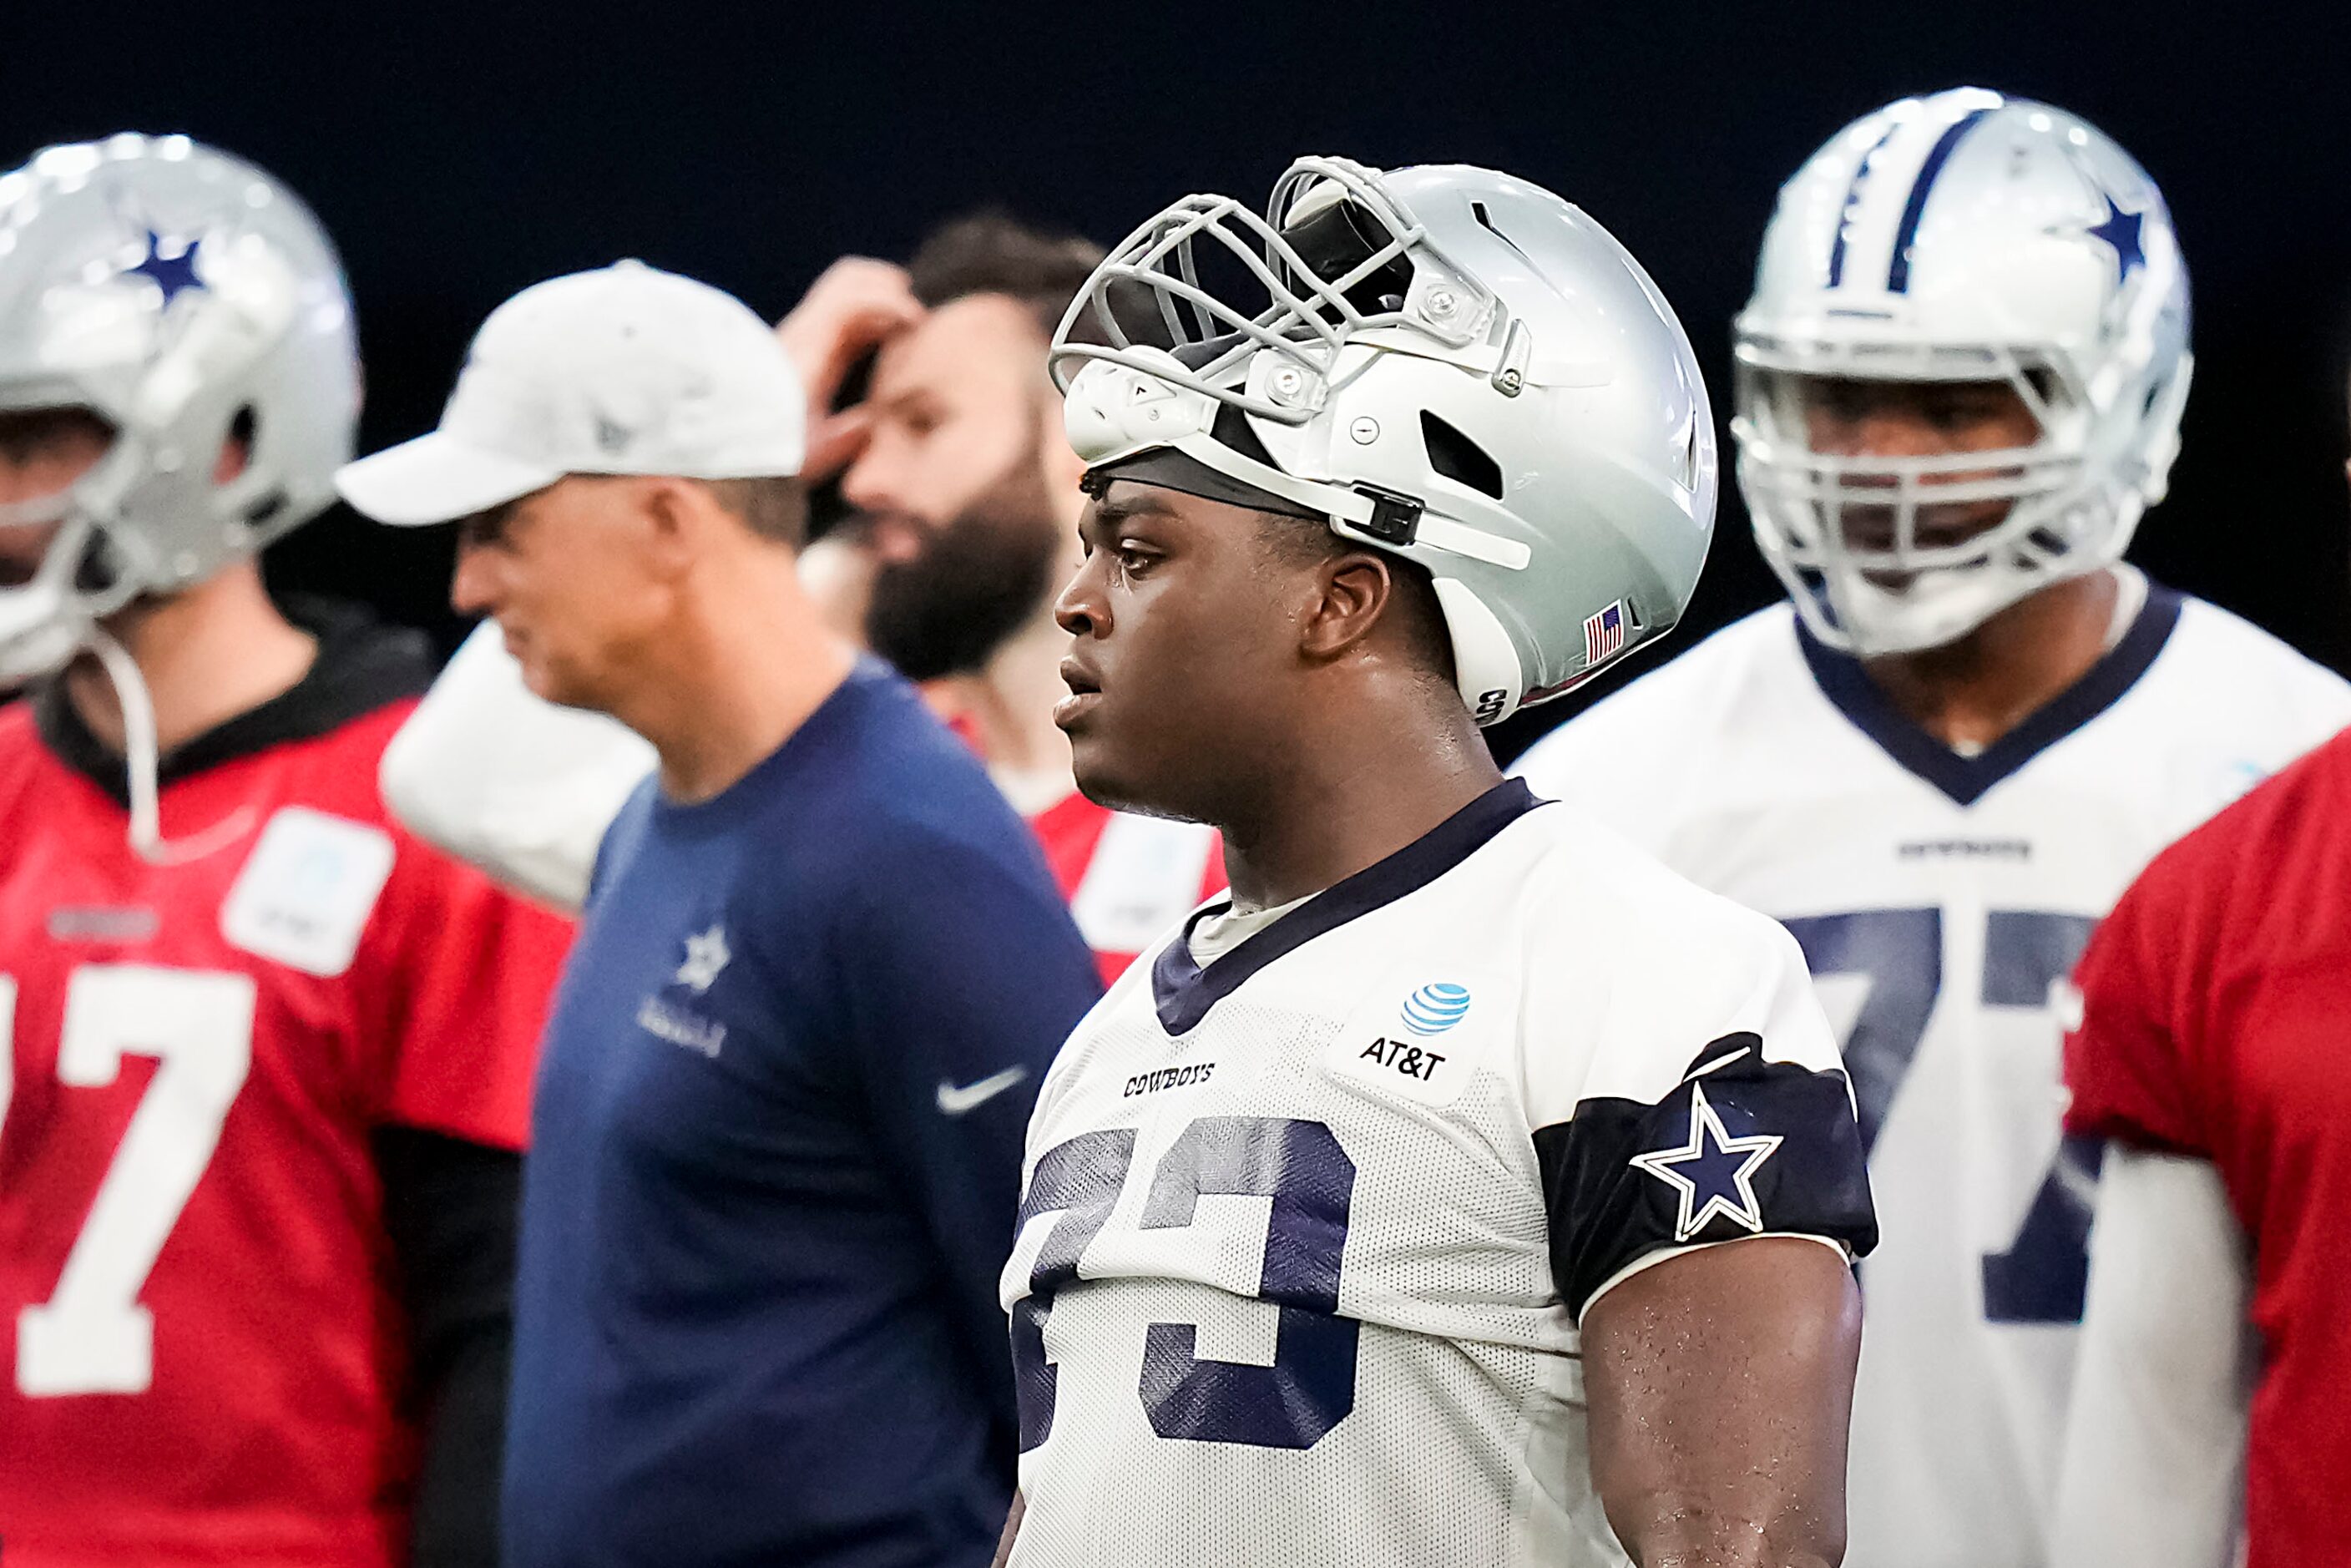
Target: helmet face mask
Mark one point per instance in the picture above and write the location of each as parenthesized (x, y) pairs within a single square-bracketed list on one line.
[(1908, 550), (2043, 263), (188, 301), (1446, 363)]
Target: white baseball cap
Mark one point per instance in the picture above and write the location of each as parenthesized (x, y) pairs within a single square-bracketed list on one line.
[(625, 369)]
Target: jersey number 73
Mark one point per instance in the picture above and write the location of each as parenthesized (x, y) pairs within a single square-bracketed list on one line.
[(1310, 1386)]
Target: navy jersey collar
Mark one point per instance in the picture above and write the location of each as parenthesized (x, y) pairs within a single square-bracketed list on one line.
[(1966, 779), (1183, 991)]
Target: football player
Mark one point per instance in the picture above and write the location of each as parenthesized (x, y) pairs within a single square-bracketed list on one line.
[(264, 1058), (968, 498), (1960, 381), (1465, 1187)]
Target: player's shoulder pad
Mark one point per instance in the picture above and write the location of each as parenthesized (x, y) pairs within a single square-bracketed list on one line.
[(1657, 966), (2254, 664), (1705, 1101)]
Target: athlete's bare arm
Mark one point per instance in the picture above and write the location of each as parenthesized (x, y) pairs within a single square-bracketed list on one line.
[(1720, 1385)]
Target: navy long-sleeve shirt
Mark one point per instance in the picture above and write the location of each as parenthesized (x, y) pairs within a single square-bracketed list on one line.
[(775, 1161)]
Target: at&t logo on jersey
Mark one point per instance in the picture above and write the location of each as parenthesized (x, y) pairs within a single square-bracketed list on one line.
[(1424, 1043), (1435, 1007)]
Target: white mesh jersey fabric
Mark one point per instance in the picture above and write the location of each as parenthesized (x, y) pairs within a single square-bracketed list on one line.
[(1451, 1431), (1939, 934)]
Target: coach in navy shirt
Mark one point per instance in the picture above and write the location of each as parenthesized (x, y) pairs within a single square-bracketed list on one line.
[(776, 1144)]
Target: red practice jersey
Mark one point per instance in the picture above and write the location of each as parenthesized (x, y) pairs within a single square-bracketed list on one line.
[(2216, 1006), (1129, 879), (201, 1349)]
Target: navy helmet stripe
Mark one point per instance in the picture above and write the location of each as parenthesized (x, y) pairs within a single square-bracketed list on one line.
[(1898, 275), (1852, 194)]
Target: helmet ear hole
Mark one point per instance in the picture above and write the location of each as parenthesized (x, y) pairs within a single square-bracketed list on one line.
[(1459, 458), (243, 426)]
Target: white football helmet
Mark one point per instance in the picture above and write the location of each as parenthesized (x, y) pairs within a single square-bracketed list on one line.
[(183, 295), (1962, 238), (1449, 364)]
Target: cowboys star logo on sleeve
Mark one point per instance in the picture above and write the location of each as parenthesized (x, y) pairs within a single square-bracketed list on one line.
[(1714, 1173)]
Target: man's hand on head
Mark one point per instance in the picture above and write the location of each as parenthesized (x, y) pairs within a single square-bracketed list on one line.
[(853, 307)]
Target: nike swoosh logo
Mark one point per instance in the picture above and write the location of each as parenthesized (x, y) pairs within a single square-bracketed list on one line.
[(955, 1100)]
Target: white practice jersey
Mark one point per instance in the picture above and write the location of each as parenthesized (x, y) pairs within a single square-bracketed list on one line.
[(1308, 1231), (1939, 900)]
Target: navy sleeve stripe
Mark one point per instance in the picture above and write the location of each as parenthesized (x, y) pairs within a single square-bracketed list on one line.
[(1750, 1147)]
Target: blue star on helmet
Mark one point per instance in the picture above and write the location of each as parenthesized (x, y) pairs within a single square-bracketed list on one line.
[(2120, 230), (172, 270), (1713, 1174)]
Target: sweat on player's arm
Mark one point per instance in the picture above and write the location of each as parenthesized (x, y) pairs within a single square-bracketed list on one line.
[(1698, 1462), (1704, 1236), (1691, 1466)]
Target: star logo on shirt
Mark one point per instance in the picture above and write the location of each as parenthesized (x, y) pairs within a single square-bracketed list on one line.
[(1714, 1173), (170, 265), (705, 955)]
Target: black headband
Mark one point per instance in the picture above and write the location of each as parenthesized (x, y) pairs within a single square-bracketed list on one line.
[(1173, 470)]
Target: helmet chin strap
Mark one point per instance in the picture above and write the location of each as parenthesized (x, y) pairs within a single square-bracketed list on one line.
[(143, 759)]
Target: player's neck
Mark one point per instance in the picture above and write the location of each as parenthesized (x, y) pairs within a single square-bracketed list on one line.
[(1970, 693), (743, 668), (206, 655), (1346, 792)]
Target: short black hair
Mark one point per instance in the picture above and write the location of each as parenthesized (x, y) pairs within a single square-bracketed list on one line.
[(1309, 542), (774, 507), (992, 252)]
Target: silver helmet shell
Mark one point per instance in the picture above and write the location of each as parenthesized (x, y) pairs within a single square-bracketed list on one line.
[(1962, 238), (1451, 365), (183, 295)]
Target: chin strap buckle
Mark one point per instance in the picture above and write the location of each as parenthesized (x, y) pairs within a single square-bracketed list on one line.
[(1395, 516)]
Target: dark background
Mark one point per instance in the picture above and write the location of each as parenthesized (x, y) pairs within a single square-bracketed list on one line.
[(459, 153)]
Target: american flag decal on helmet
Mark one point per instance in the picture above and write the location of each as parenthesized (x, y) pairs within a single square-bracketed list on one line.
[(1604, 634)]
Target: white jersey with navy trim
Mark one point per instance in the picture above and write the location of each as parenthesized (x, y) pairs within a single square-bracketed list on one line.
[(1307, 1231), (1939, 899)]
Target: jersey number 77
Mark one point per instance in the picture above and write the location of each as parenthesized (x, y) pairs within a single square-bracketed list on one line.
[(2041, 1275)]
